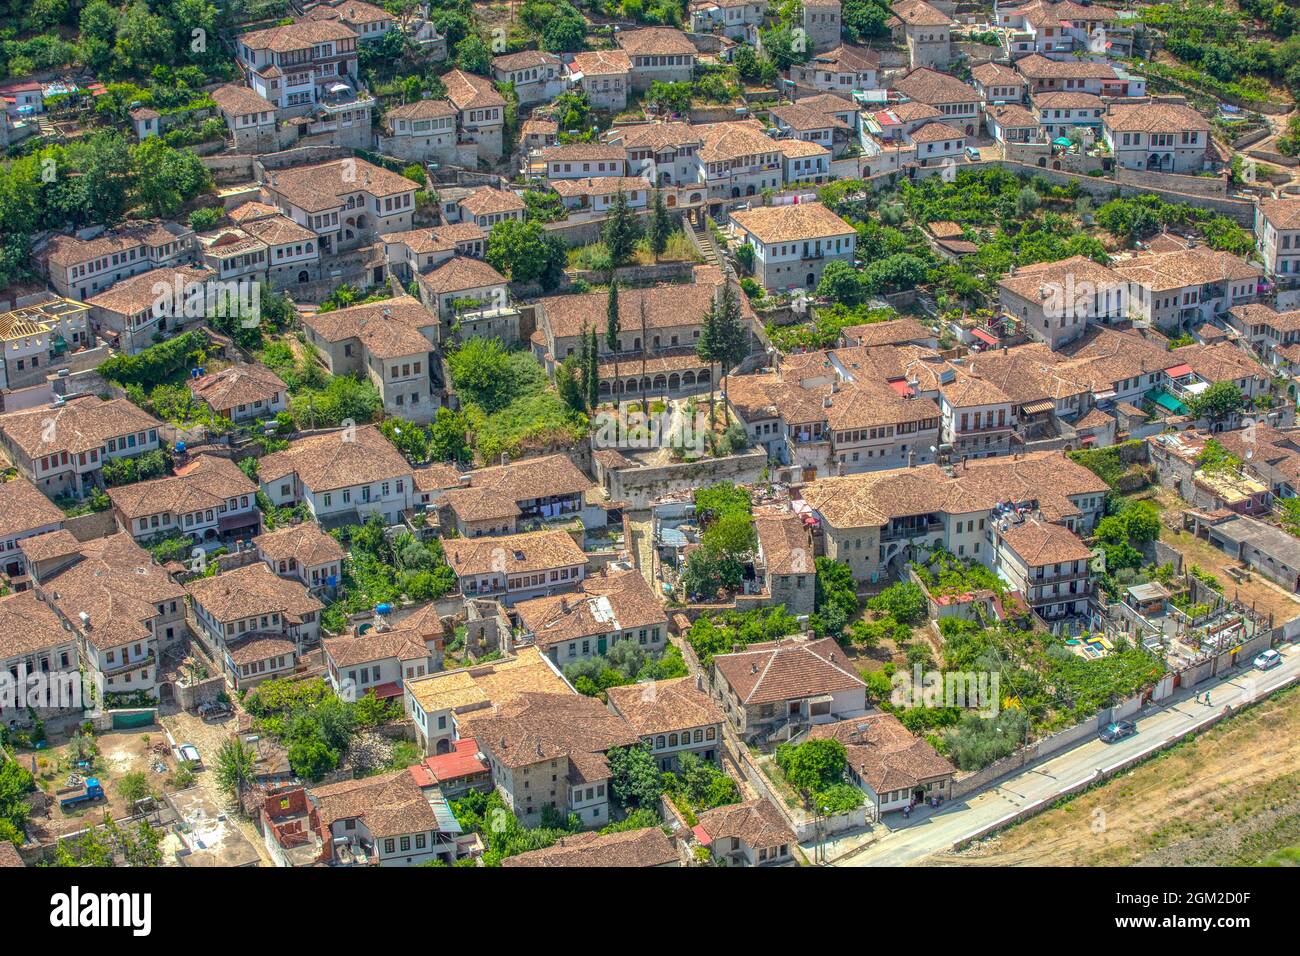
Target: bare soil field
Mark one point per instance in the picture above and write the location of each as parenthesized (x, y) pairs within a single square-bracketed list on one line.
[(1230, 797)]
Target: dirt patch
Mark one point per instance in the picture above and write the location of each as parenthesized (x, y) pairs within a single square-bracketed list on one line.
[(1228, 797), (119, 753)]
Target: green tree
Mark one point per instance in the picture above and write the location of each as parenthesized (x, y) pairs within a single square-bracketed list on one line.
[(525, 252), (634, 780), (612, 330), (904, 600), (812, 765), (1220, 401), (448, 437), (661, 225), (842, 283), (235, 762), (480, 371), (732, 535), (621, 231)]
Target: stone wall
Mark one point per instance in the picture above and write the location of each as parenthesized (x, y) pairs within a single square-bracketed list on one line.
[(191, 696), (640, 486)]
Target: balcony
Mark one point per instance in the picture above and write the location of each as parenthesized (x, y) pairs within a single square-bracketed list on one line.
[(901, 531), (146, 660)]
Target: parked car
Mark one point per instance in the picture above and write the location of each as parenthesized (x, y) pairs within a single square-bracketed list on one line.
[(1267, 660), (189, 752), (1117, 731)]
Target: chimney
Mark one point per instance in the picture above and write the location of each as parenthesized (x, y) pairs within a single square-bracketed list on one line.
[(753, 668), (699, 682)]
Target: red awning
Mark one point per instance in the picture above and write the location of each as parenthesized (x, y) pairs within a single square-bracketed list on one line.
[(902, 388), (702, 835), (385, 691), (1178, 371), (984, 337)]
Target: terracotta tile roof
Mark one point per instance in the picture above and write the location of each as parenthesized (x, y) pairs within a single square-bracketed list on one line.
[(935, 88), (1221, 362), (784, 543), (260, 647), (1282, 213), (206, 483), (139, 293), (935, 132), (539, 127), (327, 462), (513, 553), (1012, 116), (485, 201), (1039, 543), (407, 640), (892, 332), (9, 855), (601, 63), (279, 230), (250, 591), (1035, 66), (237, 385), (617, 601), (295, 36), (667, 306), (390, 328), (1153, 118), (468, 91), (24, 508), (723, 142), (525, 479), (799, 117), (872, 499), (599, 186), (534, 727), (462, 274), (914, 111), (28, 625), (437, 476), (783, 670), (798, 223), (846, 58), (323, 185), (655, 41), (918, 13), (1067, 101), (52, 544), (757, 824), (583, 152), (1180, 268), (80, 424), (524, 60), (996, 74), (648, 847), (660, 707), (438, 239), (236, 99), (118, 585), (1078, 273), (661, 135), (390, 805), (422, 110), (798, 148), (1046, 13), (884, 753), (353, 11), (306, 543), (482, 686), (462, 761)]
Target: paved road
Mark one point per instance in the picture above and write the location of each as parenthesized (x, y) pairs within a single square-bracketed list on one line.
[(902, 842)]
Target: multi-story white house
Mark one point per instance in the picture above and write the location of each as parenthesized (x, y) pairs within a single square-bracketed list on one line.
[(926, 31), (1277, 236), (292, 66), (658, 55), (62, 448), (538, 77), (208, 500), (1054, 26), (792, 244), (1061, 113), (609, 608), (735, 19), (998, 83), (1162, 137), (516, 567), (382, 657), (342, 476), (241, 392), (673, 717), (423, 130), (1183, 288), (346, 203), (37, 336), (839, 68), (250, 117), (936, 143), (39, 662), (737, 159), (1047, 563), (583, 161), (482, 111), (305, 552), (958, 103), (604, 75), (24, 513), (123, 608), (79, 268), (1069, 75)]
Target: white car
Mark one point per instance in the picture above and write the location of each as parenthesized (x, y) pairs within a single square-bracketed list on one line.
[(1268, 659), (189, 752)]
